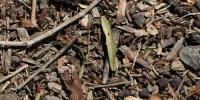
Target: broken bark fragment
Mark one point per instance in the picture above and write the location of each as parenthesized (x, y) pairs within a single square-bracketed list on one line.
[(190, 56), (175, 49), (23, 34)]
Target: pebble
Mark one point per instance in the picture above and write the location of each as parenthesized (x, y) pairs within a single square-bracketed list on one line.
[(144, 93), (162, 83), (175, 82), (190, 55)]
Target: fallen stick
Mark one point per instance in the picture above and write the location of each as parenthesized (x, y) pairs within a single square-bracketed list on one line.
[(33, 10), (49, 62), (14, 73), (110, 85), (52, 31)]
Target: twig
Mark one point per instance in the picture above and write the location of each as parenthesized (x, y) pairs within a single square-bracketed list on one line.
[(49, 62), (33, 10), (176, 93), (14, 73), (110, 96), (135, 59), (24, 4), (190, 14), (196, 29), (52, 31), (131, 78), (110, 85), (4, 86)]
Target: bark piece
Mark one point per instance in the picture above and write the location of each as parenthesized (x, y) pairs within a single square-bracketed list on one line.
[(175, 49), (177, 65), (23, 34), (190, 56), (168, 42), (131, 55), (95, 13), (139, 19)]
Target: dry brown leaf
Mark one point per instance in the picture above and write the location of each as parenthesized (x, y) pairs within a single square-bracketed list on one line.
[(197, 89), (74, 84), (26, 23), (61, 61)]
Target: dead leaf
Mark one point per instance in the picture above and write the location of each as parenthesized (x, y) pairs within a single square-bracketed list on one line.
[(26, 23), (74, 84), (61, 61)]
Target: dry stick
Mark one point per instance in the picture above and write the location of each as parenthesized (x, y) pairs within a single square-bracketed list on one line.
[(52, 31), (33, 10), (110, 85), (184, 76), (49, 62), (14, 73), (190, 14), (24, 4)]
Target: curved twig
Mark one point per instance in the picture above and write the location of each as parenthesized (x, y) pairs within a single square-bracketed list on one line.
[(52, 31)]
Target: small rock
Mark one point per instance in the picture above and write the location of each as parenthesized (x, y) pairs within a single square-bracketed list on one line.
[(162, 83), (177, 65), (194, 38), (139, 19), (190, 55), (15, 60), (176, 81), (144, 93)]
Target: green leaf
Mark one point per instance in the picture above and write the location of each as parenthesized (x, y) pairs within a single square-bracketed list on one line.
[(37, 96), (111, 48)]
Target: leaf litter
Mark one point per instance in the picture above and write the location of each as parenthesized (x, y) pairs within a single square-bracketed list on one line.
[(151, 51)]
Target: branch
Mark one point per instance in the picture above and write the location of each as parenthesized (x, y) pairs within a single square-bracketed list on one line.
[(14, 73), (52, 31)]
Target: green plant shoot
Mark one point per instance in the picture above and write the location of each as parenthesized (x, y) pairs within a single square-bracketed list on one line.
[(111, 48)]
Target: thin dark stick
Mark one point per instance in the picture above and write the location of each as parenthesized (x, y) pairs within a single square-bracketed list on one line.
[(49, 62), (110, 85)]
